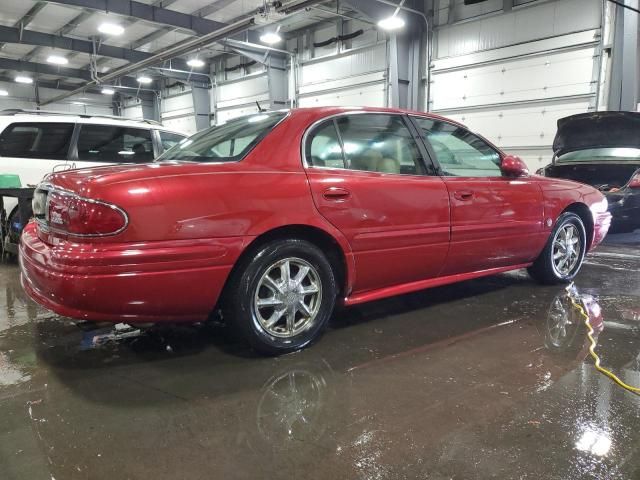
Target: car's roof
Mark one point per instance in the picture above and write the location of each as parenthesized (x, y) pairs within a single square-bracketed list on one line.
[(54, 117), (333, 110)]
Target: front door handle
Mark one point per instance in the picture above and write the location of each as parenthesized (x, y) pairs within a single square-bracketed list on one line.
[(336, 194), (463, 195)]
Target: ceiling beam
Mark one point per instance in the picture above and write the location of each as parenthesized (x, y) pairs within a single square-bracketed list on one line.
[(27, 18), (149, 13), (30, 37), (46, 69)]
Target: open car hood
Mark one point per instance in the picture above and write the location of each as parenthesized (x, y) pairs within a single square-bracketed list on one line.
[(597, 130)]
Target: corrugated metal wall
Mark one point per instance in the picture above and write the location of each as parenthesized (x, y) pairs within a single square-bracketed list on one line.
[(511, 76)]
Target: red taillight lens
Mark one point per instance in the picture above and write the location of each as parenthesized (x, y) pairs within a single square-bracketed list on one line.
[(74, 215), (635, 180)]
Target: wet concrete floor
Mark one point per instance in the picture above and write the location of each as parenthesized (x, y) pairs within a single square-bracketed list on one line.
[(484, 379)]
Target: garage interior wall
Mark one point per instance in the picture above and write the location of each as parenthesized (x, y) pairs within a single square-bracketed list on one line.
[(24, 97), (511, 75), (506, 68)]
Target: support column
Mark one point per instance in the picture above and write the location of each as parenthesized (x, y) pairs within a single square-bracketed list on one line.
[(149, 103), (278, 79), (623, 93), (201, 106)]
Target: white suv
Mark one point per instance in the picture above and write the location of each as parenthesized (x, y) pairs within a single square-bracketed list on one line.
[(35, 143)]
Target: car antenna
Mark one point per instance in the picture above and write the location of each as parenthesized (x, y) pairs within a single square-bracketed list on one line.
[(260, 109)]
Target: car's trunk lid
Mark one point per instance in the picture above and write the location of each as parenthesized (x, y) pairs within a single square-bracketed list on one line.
[(597, 130)]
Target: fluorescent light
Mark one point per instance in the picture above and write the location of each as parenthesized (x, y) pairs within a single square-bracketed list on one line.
[(3, 93), (108, 91), (111, 29), (195, 63), (78, 103), (391, 23), (22, 79), (270, 38), (144, 79), (57, 59)]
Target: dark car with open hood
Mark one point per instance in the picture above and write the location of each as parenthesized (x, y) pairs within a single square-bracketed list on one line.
[(602, 149)]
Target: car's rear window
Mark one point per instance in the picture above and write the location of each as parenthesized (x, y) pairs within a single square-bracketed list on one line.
[(610, 154), (229, 142), (36, 140)]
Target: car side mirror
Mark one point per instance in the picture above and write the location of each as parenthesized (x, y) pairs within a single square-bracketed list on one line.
[(513, 166)]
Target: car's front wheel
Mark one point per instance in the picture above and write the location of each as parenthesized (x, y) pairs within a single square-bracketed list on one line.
[(281, 297), (562, 257)]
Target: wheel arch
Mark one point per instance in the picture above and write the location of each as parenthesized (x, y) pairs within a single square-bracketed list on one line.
[(582, 210), (315, 235)]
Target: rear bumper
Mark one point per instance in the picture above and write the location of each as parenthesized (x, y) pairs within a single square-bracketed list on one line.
[(158, 282)]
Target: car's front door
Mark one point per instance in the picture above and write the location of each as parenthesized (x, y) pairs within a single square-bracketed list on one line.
[(496, 221), (369, 179)]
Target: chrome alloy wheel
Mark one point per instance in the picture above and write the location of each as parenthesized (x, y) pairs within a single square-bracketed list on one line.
[(288, 297), (567, 249)]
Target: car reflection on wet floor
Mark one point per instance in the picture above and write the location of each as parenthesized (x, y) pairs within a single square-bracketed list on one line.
[(485, 379)]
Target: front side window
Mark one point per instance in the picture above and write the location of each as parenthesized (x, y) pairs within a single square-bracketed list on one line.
[(170, 140), (36, 140), (114, 144), (229, 142), (367, 142), (459, 152)]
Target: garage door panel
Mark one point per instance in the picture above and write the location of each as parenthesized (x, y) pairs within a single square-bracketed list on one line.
[(539, 77), (370, 95)]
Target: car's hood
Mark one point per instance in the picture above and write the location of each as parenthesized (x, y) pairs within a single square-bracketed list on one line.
[(597, 130)]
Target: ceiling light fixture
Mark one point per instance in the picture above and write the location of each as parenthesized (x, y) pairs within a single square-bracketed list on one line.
[(108, 91), (144, 79), (195, 63), (3, 93), (23, 79), (57, 60), (271, 38), (111, 29), (394, 22)]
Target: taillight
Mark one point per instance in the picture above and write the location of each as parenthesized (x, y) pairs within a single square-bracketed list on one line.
[(635, 180), (74, 215)]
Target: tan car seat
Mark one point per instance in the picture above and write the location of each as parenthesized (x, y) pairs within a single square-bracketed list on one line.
[(388, 165), (367, 162)]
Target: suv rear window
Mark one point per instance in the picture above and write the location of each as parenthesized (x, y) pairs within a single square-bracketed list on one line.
[(36, 140), (113, 144), (229, 142), (169, 139)]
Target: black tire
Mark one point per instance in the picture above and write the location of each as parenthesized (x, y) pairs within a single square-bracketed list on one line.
[(544, 270), (239, 305)]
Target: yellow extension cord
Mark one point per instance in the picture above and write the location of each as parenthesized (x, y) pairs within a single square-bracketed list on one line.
[(592, 347)]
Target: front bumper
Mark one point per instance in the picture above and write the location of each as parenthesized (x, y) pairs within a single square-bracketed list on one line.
[(157, 282), (601, 225)]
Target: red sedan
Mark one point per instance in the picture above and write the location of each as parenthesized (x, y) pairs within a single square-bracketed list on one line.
[(276, 217)]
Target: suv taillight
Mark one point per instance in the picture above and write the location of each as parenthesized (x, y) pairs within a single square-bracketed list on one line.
[(635, 180), (68, 213)]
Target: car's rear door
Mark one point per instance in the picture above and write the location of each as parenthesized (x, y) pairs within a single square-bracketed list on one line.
[(369, 179), (496, 221)]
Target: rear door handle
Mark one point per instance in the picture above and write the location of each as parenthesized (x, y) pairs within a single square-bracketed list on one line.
[(463, 195), (336, 194)]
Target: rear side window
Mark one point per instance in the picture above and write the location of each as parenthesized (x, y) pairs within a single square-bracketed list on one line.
[(36, 140), (366, 142), (169, 140), (113, 144), (324, 150)]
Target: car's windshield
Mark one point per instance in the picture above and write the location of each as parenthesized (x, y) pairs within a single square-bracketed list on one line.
[(229, 142), (601, 154)]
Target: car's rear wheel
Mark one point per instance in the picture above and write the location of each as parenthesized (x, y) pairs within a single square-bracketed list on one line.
[(562, 257), (281, 297)]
